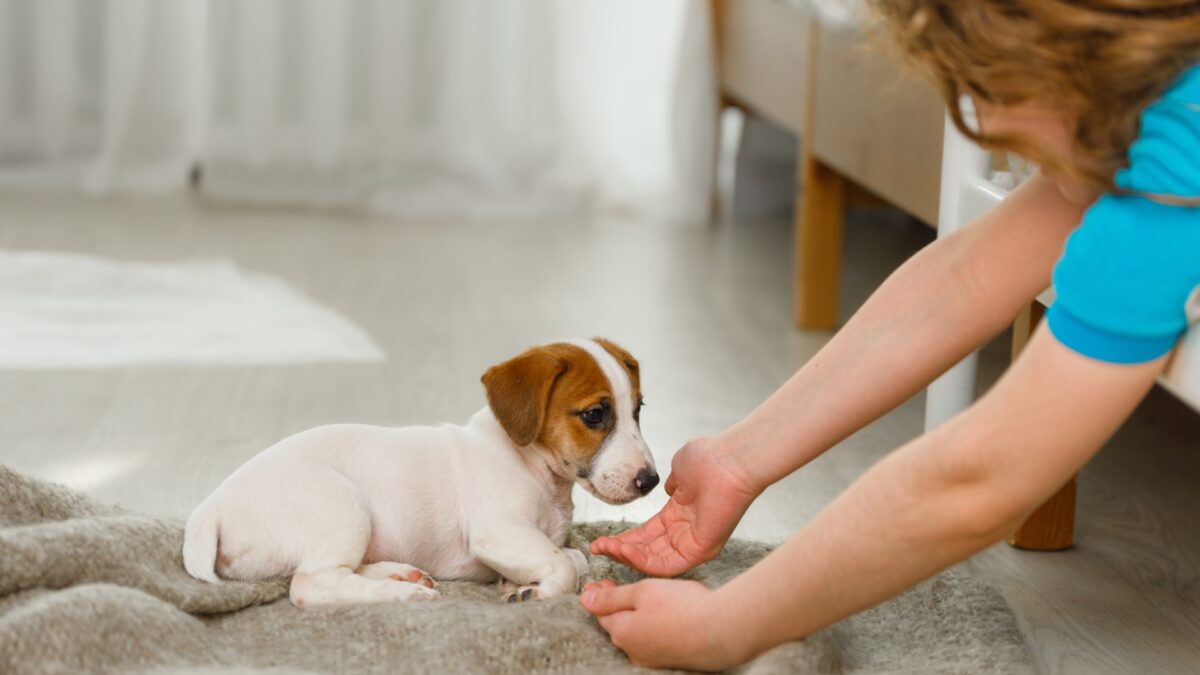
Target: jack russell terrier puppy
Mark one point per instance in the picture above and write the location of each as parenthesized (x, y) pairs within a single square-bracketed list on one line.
[(360, 513)]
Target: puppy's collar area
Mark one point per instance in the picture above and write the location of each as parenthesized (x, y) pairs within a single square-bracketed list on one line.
[(542, 461), (536, 457), (560, 479)]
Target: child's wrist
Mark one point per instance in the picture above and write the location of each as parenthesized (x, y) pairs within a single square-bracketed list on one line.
[(730, 634), (738, 451)]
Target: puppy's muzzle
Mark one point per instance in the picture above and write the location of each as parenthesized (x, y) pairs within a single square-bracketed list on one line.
[(645, 481)]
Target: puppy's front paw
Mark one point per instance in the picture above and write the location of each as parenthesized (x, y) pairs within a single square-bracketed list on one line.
[(521, 593), (578, 559)]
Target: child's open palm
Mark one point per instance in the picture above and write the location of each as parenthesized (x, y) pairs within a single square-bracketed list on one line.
[(707, 501)]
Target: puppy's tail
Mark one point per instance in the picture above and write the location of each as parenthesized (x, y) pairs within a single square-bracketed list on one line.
[(200, 543)]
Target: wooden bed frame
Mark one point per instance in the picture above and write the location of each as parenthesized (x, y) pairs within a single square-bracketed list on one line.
[(866, 127)]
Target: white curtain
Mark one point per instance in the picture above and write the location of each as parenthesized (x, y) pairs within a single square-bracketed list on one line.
[(98, 95), (485, 108)]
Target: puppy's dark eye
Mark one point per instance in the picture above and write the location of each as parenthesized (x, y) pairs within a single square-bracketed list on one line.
[(593, 417), (637, 412)]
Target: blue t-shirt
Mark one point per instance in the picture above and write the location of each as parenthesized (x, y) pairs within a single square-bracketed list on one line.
[(1128, 282)]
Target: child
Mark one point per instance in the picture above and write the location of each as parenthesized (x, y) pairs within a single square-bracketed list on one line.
[(1105, 96)]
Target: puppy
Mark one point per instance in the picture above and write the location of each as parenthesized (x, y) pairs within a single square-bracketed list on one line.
[(360, 513)]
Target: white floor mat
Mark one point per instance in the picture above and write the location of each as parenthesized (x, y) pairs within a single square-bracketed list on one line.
[(64, 310)]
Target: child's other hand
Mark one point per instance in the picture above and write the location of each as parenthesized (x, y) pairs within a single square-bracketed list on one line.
[(662, 623), (707, 501)]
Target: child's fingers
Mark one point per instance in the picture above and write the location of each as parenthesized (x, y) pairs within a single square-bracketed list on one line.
[(605, 601), (614, 549), (606, 546)]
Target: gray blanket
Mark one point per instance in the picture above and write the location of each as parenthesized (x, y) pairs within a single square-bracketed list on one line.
[(87, 587)]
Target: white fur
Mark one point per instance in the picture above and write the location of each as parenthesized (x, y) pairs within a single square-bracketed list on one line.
[(458, 502)]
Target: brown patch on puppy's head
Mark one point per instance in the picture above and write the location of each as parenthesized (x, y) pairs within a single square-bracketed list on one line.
[(580, 413)]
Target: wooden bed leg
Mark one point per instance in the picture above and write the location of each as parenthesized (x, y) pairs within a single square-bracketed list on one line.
[(820, 208), (1052, 526)]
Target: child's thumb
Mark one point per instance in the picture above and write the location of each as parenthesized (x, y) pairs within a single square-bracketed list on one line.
[(605, 601)]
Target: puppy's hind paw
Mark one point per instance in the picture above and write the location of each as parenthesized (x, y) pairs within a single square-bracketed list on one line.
[(407, 591), (416, 576), (397, 572), (426, 593)]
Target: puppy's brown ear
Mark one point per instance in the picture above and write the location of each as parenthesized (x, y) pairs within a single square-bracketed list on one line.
[(518, 392)]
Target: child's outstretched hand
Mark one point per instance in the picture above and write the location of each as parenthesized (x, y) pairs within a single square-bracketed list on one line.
[(707, 501), (662, 623)]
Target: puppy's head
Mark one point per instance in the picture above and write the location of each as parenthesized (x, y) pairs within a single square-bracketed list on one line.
[(580, 402)]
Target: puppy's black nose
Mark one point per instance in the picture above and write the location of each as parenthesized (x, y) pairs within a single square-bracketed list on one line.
[(645, 481)]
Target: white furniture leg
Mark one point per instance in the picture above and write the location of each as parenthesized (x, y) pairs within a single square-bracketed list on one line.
[(964, 167)]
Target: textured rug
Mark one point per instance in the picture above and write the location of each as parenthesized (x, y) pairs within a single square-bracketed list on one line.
[(87, 587)]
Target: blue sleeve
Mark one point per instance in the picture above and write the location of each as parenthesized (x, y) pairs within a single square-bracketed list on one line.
[(1128, 272), (1123, 283)]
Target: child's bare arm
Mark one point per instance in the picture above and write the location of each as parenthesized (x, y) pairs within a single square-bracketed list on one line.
[(928, 505), (941, 304), (934, 309), (939, 499)]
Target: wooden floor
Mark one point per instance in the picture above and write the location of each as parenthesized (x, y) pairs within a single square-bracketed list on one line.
[(707, 313)]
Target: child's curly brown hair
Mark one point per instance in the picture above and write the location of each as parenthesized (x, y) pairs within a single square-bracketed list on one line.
[(1101, 62)]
